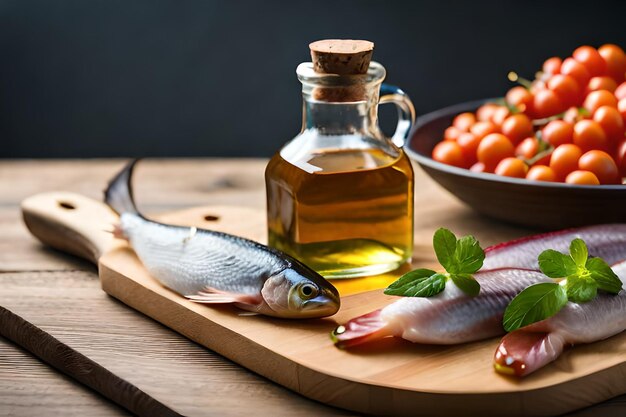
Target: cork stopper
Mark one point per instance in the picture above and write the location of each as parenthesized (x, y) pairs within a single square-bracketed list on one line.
[(341, 56)]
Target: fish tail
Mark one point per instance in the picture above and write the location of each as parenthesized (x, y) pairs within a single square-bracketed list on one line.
[(522, 352), (119, 193), (360, 330)]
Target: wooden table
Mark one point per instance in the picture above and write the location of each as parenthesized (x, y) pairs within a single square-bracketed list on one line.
[(61, 294)]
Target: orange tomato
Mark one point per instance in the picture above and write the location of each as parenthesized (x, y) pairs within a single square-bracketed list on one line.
[(541, 173), (599, 98), (449, 152), (552, 65), (582, 178), (566, 88), (621, 107), (589, 135), (565, 159), (547, 103), (517, 127), (577, 70), (478, 167), (572, 115), (464, 121), (494, 148), (621, 158), (469, 144), (499, 115), (601, 83), (558, 132), (519, 97), (620, 91), (482, 129), (591, 59), (601, 164), (484, 112), (615, 59), (512, 167), (451, 133), (611, 121), (527, 148)]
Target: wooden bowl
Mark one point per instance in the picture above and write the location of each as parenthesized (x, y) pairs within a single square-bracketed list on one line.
[(535, 204)]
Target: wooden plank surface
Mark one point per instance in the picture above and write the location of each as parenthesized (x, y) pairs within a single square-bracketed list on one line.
[(164, 185)]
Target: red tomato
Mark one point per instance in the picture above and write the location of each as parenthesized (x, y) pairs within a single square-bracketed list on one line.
[(577, 70), (450, 153), (517, 127), (519, 97), (621, 107), (601, 164), (591, 59), (566, 87), (451, 133), (469, 144), (546, 103), (601, 83), (544, 160), (597, 99), (611, 121), (482, 129), (589, 135), (527, 148), (615, 60), (464, 121), (572, 115), (478, 167), (512, 167), (499, 115), (558, 132), (582, 178), (484, 112), (620, 91), (565, 160), (494, 148), (621, 158), (541, 173), (552, 65)]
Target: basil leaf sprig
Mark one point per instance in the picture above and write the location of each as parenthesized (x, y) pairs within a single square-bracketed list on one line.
[(583, 277), (459, 257)]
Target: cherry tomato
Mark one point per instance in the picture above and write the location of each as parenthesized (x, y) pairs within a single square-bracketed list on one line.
[(482, 129), (451, 133), (527, 148), (601, 83), (566, 87), (582, 178), (519, 97), (597, 99), (611, 121), (450, 153), (589, 135), (541, 173), (558, 132), (464, 121), (512, 167), (517, 127), (621, 107), (478, 167), (494, 148), (620, 91), (499, 115), (552, 65), (591, 59), (565, 160), (601, 164), (572, 115), (615, 59), (577, 70), (546, 103), (484, 112), (544, 160), (621, 158), (469, 145)]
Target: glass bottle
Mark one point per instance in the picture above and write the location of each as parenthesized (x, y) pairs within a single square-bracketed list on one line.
[(340, 194)]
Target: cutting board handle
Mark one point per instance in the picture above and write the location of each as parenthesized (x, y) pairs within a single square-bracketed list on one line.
[(71, 223)]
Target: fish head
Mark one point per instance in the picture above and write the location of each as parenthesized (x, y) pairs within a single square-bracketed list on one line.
[(299, 292)]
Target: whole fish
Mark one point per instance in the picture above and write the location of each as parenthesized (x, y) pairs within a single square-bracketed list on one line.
[(532, 347), (217, 268), (607, 241), (449, 317)]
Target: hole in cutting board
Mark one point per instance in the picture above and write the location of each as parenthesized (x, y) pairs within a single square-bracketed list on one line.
[(66, 205), (211, 218)]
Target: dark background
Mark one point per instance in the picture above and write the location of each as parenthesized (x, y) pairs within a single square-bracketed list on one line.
[(217, 78)]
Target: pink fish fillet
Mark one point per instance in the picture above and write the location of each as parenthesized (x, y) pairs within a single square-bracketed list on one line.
[(532, 347), (447, 318), (607, 241)]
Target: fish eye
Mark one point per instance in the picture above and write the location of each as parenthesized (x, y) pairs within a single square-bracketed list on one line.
[(307, 291)]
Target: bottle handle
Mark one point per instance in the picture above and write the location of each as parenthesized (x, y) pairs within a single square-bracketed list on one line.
[(406, 112)]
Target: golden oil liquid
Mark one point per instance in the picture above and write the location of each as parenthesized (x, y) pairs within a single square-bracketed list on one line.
[(344, 213)]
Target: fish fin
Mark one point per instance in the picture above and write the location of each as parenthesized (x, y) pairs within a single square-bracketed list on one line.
[(214, 296), (119, 193), (360, 330), (522, 352), (192, 232)]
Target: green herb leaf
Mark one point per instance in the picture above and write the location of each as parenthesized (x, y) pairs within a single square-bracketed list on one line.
[(603, 275), (535, 303), (578, 252), (466, 283), (556, 265), (581, 290), (418, 283), (444, 243), (469, 255)]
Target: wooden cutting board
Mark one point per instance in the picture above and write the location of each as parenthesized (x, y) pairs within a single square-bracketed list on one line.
[(391, 377)]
